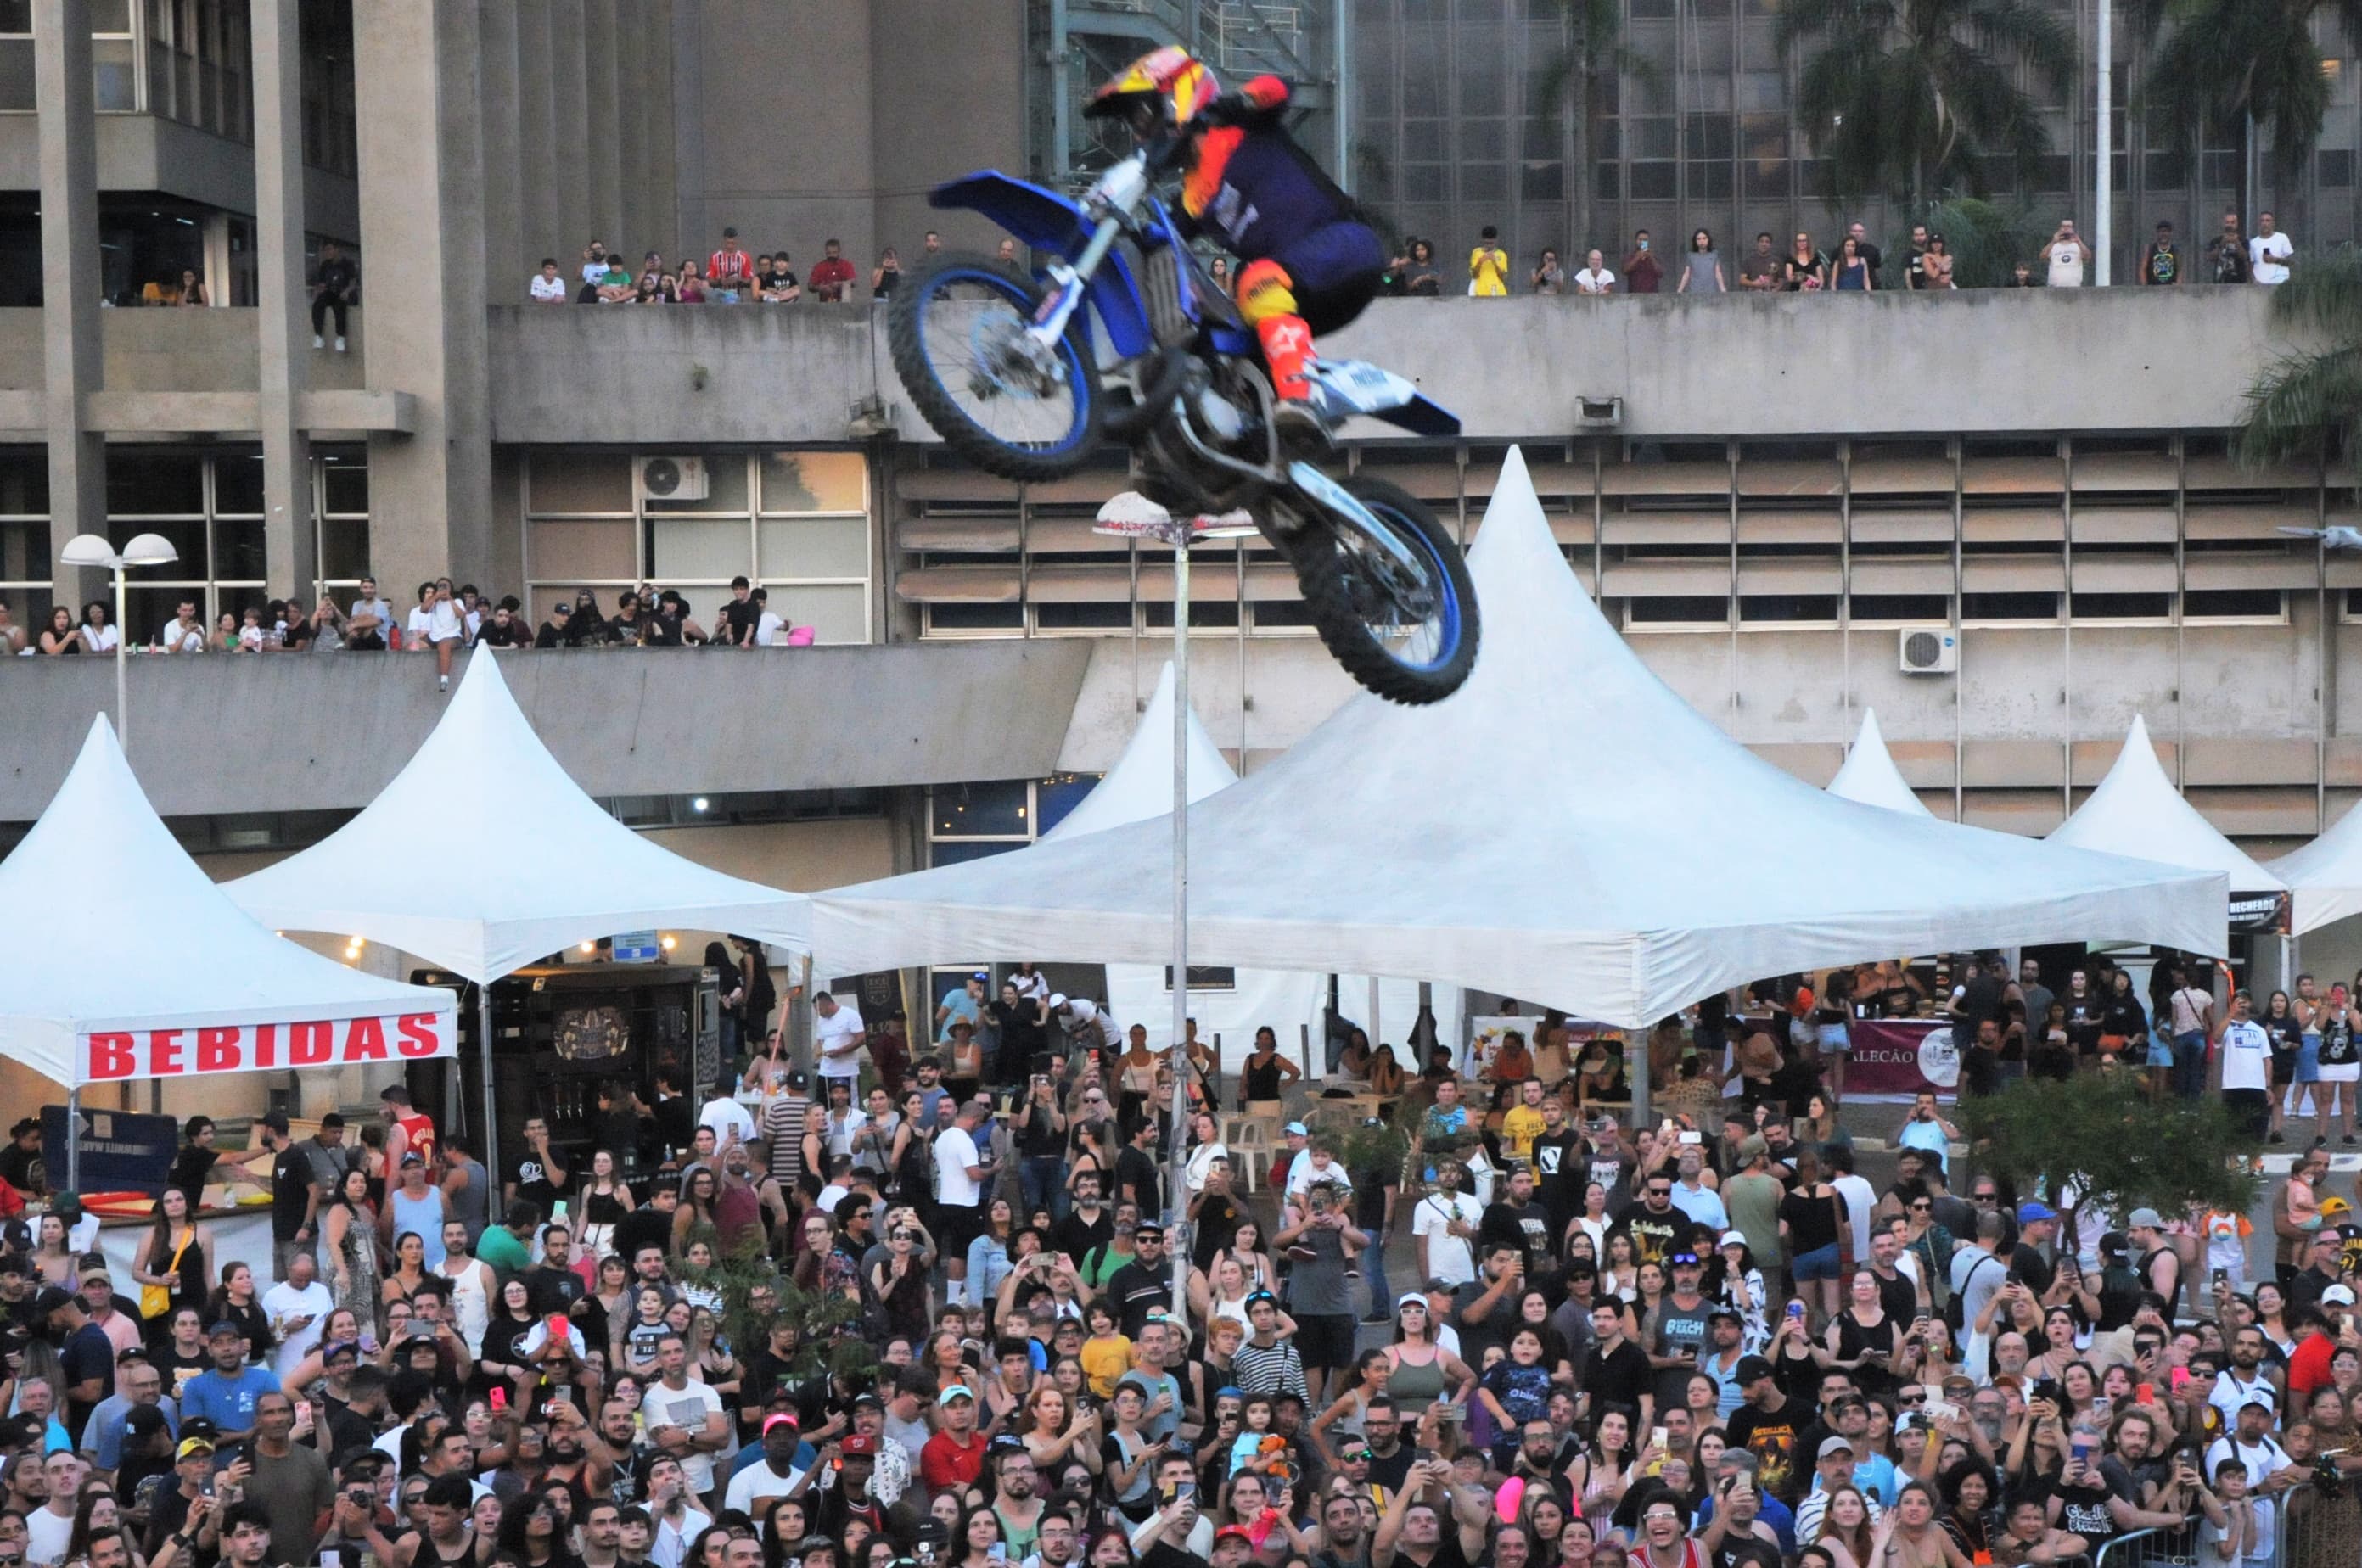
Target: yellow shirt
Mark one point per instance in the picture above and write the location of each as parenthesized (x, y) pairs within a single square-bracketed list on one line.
[(1519, 1127), (1488, 266), (1104, 1361)]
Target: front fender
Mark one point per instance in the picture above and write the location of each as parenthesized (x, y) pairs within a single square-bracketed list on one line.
[(1042, 219)]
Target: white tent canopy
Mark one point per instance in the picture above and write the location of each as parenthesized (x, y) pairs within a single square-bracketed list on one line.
[(2136, 810), (484, 793), (2327, 876), (120, 935), (1411, 842), (1870, 775), (1140, 786)]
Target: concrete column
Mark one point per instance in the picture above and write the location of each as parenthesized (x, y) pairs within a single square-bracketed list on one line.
[(663, 194), (291, 543), (603, 106), (513, 248), (70, 352), (569, 146), (549, 229), (415, 66)]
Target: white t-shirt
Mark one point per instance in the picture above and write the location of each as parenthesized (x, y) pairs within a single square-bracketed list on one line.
[(46, 1535), (101, 639), (1032, 986), (282, 1303), (724, 1114), (2066, 264), (833, 1034), (1860, 1198), (768, 627), (547, 289), (2247, 1056), (955, 1152), (1448, 1256), (178, 639), (1588, 281), (2265, 258), (379, 607), (686, 1407), (759, 1484)]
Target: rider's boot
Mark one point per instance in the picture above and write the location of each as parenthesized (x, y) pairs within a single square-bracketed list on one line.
[(1286, 353)]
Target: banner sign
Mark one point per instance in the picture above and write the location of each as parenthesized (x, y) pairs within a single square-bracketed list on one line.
[(120, 1152), (1895, 1059), (108, 1056), (2262, 914)]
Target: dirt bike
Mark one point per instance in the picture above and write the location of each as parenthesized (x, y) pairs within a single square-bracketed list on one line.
[(1009, 369)]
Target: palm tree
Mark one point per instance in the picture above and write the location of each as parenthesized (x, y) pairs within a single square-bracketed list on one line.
[(2308, 405), (1907, 96), (1589, 52), (2224, 61)]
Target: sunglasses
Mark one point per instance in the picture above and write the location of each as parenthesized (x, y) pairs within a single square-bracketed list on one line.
[(1363, 1455)]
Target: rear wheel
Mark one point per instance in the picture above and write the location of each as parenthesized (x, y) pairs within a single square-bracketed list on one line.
[(960, 331), (1409, 637)]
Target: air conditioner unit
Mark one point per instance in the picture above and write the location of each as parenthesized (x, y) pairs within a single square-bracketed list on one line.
[(671, 478), (1929, 651)]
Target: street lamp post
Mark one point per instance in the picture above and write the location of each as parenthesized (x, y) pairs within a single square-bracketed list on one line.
[(93, 550), (145, 549)]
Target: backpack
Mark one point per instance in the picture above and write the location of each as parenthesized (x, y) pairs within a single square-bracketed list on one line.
[(1955, 1310)]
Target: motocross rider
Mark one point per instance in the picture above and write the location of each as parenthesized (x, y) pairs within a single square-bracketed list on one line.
[(1310, 264)]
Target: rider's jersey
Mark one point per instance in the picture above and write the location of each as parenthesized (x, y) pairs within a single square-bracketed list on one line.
[(1250, 189)]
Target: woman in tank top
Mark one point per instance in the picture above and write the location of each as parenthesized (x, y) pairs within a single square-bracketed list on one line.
[(604, 1204), (1263, 1076), (1423, 1371)]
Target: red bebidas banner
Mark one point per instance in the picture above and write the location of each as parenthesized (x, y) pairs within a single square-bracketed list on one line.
[(110, 1055)]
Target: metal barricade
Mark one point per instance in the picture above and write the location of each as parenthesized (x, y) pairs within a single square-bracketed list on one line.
[(2317, 1530), (2161, 1546)]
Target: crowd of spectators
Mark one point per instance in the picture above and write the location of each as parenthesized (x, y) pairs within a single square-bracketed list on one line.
[(1856, 264), (916, 1306), (730, 276), (444, 621)]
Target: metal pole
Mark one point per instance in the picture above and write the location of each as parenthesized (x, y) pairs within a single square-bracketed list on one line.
[(73, 1126), (491, 1132), (2104, 221), (1173, 1197), (122, 657)]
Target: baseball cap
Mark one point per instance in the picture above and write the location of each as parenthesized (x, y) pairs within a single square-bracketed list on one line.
[(1732, 1238), (1149, 1228), (2337, 1295), (956, 1391), (2030, 1212), (413, 1158), (335, 1348), (1752, 1147), (867, 1397), (776, 1418), (1836, 1446), (190, 1447), (1057, 1000), (1750, 1369), (224, 1326), (1298, 1130), (50, 1299), (1231, 1529), (858, 1444), (2145, 1220), (2334, 1205), (277, 1121)]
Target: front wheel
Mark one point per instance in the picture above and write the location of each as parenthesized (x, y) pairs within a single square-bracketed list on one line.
[(960, 328), (1409, 638)]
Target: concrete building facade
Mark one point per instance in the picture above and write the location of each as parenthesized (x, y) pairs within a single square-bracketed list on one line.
[(1770, 496)]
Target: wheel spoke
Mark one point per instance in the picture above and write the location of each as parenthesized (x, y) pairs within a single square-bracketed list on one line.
[(966, 333)]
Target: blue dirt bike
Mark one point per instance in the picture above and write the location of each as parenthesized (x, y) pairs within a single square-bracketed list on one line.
[(1006, 368)]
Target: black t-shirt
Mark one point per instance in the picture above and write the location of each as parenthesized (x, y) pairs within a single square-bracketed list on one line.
[(1218, 1221), (1558, 1167), (552, 635), (1136, 1170), (1136, 1292), (1739, 1551), (191, 1167), (2031, 1269), (1076, 1235), (87, 1354), (552, 1290), (291, 1191), (533, 1185), (741, 616), (1653, 1234), (1617, 1377), (1391, 1470), (2085, 1017), (16, 1164), (1771, 1439), (1022, 1036), (1812, 1221), (1505, 1225), (509, 633)]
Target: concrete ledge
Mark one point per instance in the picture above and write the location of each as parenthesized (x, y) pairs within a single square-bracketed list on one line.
[(647, 721)]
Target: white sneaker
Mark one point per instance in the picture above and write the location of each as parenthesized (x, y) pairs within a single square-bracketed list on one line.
[(340, 346), (443, 683), (319, 342)]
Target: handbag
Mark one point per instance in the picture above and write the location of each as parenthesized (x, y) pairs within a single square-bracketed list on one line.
[(156, 1301)]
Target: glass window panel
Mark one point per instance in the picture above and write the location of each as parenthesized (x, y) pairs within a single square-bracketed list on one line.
[(145, 484), (682, 550), (1761, 90), (17, 16), (1710, 181), (238, 483), (24, 484), (347, 486), (2336, 167), (726, 482), (344, 547), (960, 854), (955, 618), (1483, 182), (1654, 136), (1543, 182), (575, 481), (25, 553), (822, 547), (1652, 181), (837, 613), (238, 551), (187, 537), (1425, 183), (113, 77), (1483, 140), (17, 74), (110, 16), (146, 609), (2166, 170), (978, 811), (814, 481), (583, 552)]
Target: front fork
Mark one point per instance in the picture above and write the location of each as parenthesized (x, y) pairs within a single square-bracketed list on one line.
[(1058, 307)]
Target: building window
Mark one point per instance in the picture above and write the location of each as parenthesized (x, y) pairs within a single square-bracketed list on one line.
[(1899, 609), (794, 522), (1787, 609), (113, 53), (199, 59), (27, 552), (209, 504), (972, 821), (2250, 605), (1684, 612), (2120, 607), (1988, 608)]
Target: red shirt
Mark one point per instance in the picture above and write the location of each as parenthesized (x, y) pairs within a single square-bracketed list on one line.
[(944, 1464), (830, 275), (729, 265), (2308, 1368)]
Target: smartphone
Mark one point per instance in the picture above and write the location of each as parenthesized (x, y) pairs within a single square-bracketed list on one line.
[(500, 1398), (1941, 1411), (2180, 1377), (331, 1558), (1691, 1138), (1452, 1412), (2146, 1394), (1657, 1437), (1184, 1492), (2102, 1408), (1796, 1311)]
